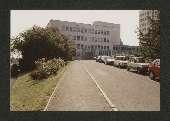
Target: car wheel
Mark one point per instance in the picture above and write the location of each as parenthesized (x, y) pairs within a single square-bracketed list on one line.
[(128, 68), (151, 75)]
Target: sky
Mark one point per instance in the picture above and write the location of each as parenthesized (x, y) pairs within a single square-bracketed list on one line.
[(128, 19)]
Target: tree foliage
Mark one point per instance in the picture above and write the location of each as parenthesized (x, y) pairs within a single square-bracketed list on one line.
[(150, 42), (37, 43)]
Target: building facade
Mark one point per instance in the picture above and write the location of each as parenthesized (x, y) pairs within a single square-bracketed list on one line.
[(144, 22), (90, 40)]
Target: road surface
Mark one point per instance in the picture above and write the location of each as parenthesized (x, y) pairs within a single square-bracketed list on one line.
[(91, 86)]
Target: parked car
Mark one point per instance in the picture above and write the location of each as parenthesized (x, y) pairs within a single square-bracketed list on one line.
[(95, 58), (154, 69), (103, 58), (138, 64), (109, 61), (120, 61), (98, 59)]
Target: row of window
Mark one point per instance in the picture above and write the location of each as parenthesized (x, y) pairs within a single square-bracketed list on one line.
[(84, 30), (93, 39), (81, 46)]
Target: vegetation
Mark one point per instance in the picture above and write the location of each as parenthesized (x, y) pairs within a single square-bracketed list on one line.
[(30, 95), (45, 68), (37, 43), (150, 42)]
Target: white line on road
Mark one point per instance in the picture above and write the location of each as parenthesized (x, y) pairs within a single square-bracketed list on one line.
[(53, 93), (103, 93)]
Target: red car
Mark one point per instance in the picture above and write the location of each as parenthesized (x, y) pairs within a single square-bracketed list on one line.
[(154, 69)]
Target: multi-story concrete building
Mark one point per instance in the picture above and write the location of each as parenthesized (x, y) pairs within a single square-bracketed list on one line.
[(144, 22), (94, 39)]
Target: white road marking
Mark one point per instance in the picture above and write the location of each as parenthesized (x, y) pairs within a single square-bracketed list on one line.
[(103, 93), (52, 95)]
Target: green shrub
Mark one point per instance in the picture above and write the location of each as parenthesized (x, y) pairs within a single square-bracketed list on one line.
[(45, 68)]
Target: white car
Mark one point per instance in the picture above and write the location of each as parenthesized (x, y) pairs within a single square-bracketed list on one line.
[(103, 58), (120, 61), (138, 64), (109, 61)]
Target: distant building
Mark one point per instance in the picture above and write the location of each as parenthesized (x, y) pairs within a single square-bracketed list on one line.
[(94, 39), (125, 50), (144, 22)]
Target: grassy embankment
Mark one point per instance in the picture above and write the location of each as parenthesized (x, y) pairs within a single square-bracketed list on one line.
[(32, 95)]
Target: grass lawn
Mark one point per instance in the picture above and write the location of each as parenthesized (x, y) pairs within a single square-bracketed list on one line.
[(32, 95)]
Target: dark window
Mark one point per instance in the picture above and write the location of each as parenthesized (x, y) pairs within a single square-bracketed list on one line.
[(96, 32), (67, 28), (70, 28), (81, 46), (107, 47), (104, 47), (78, 37), (104, 39)]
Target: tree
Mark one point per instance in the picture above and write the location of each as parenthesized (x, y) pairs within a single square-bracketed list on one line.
[(37, 43), (150, 42)]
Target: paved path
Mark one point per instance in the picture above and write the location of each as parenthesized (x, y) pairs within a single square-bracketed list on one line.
[(77, 92), (127, 91)]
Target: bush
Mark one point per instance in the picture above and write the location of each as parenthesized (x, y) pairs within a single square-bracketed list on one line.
[(45, 68)]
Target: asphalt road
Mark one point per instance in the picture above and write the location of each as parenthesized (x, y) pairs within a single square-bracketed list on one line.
[(91, 86)]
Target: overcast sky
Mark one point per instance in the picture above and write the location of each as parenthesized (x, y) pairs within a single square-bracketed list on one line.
[(128, 20)]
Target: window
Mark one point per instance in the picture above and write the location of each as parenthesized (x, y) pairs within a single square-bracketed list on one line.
[(104, 39), (81, 38), (70, 28), (67, 28), (78, 46), (107, 47), (85, 30), (81, 46), (78, 37), (74, 37), (85, 38), (96, 32), (107, 40), (104, 47), (82, 30)]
